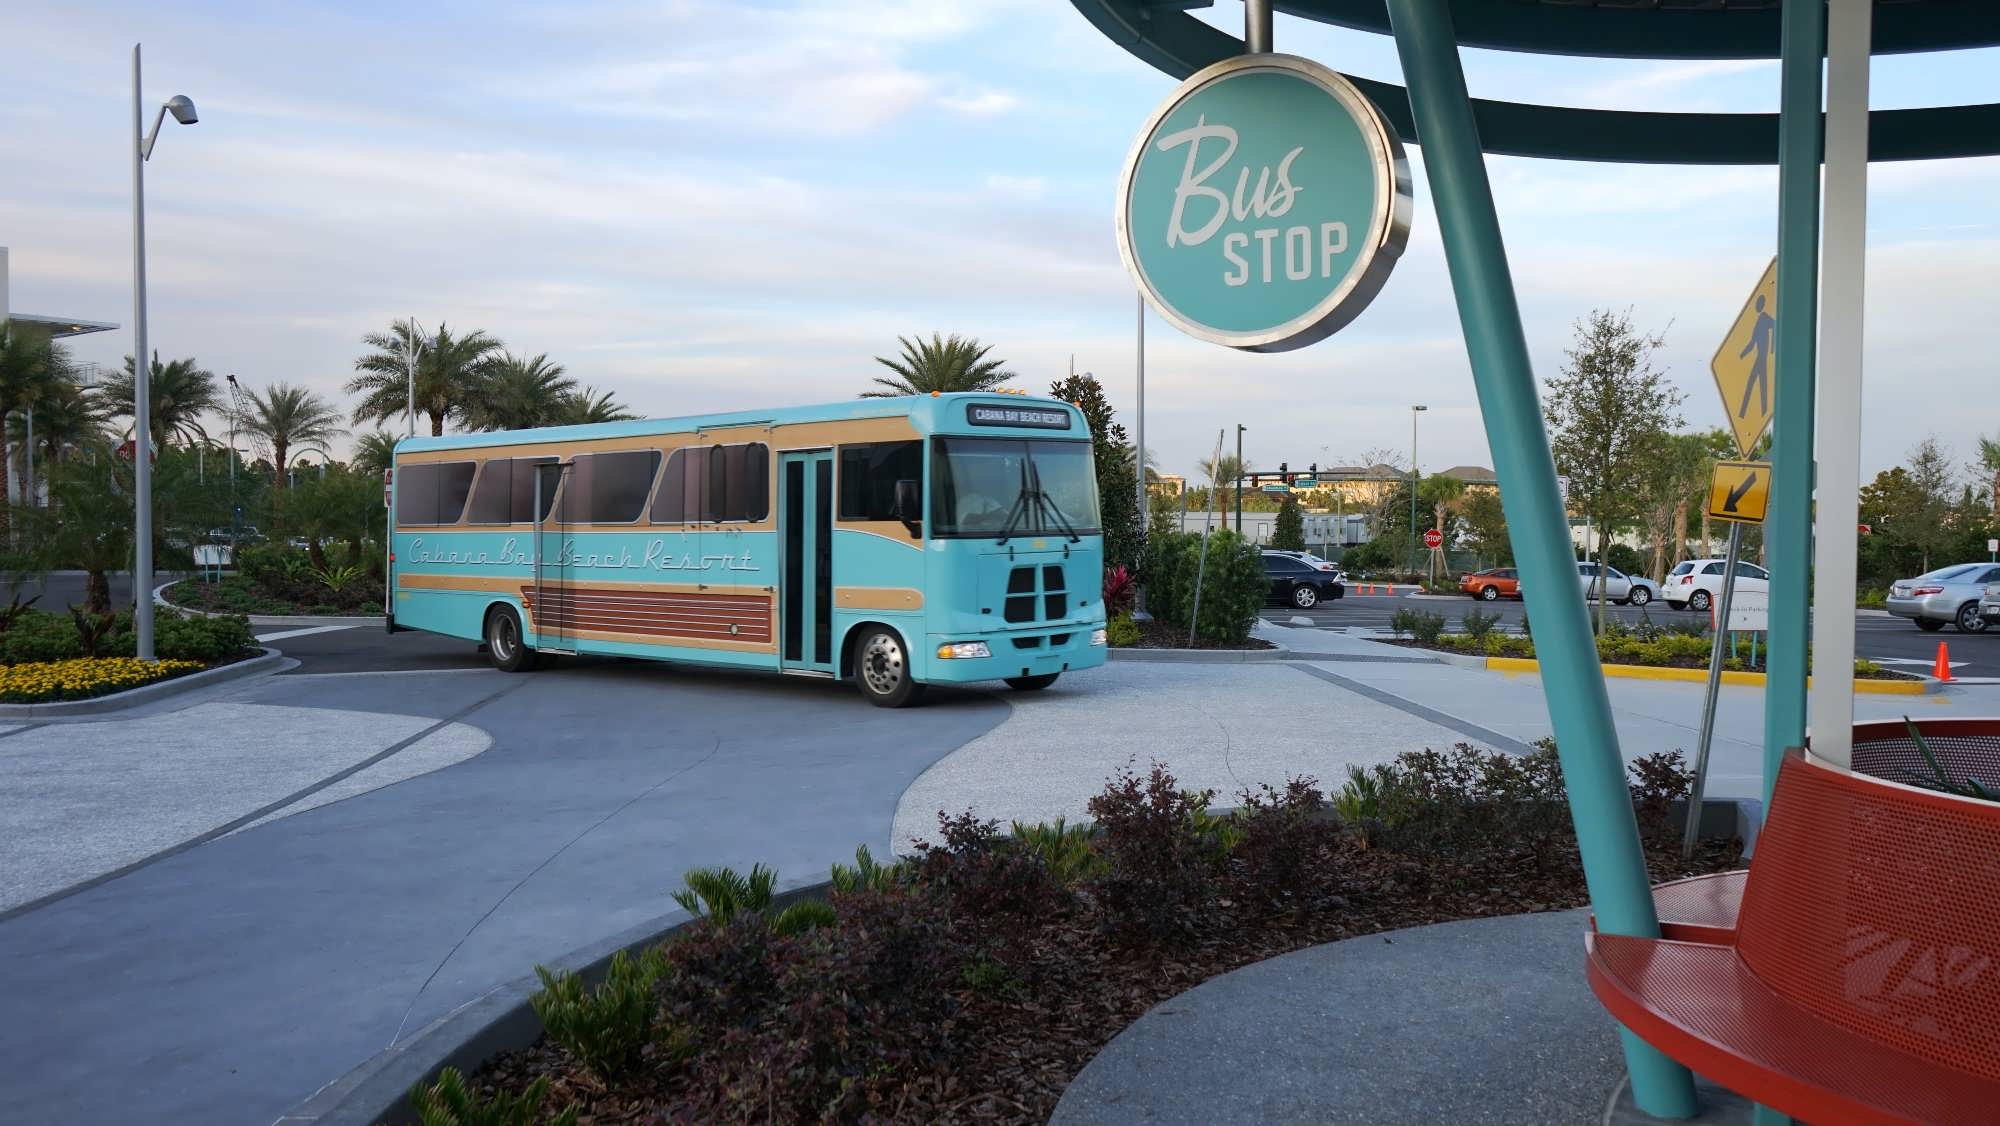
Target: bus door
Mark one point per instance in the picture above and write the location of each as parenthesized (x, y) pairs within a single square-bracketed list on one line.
[(553, 603), (805, 569)]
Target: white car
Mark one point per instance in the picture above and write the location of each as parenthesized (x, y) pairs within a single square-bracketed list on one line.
[(1694, 584)]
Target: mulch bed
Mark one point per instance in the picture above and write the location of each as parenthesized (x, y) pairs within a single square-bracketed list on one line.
[(1155, 634), (1014, 1052)]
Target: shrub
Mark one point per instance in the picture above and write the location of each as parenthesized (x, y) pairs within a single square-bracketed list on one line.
[(39, 637), (722, 977), (337, 577), (608, 1028), (1401, 622), (1466, 800), (80, 678), (1160, 855), (1119, 591), (1478, 624), (1064, 849), (867, 873), (1369, 799), (803, 915), (1423, 625), (720, 894), (1003, 891), (1658, 781), (1283, 831), (200, 639), (1122, 631), (1233, 583), (91, 630), (449, 1102)]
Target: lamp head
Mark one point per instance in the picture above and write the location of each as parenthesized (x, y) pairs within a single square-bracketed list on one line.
[(182, 107)]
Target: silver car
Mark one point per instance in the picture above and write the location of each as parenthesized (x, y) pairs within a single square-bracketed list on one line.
[(1946, 595), (1989, 605)]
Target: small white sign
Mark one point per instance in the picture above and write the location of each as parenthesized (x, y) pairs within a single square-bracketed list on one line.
[(1750, 612), (1562, 483), (211, 555), (1992, 546)]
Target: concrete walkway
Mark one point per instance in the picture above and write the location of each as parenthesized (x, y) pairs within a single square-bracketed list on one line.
[(1482, 1021)]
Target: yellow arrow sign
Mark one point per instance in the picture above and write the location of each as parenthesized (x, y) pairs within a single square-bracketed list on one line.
[(1745, 366), (1739, 491)]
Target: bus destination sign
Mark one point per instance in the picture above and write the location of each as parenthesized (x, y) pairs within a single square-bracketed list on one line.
[(995, 414)]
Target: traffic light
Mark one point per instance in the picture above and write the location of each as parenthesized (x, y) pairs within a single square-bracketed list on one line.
[(1284, 474)]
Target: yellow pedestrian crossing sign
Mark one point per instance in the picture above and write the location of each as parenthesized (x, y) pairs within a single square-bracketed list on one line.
[(1745, 366), (1739, 491)]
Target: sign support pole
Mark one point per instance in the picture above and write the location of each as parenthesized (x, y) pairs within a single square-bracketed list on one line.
[(1614, 863), (1844, 244), (1207, 526), (1714, 688), (1139, 458)]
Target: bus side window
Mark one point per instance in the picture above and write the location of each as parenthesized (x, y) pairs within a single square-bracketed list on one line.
[(868, 476), (433, 492)]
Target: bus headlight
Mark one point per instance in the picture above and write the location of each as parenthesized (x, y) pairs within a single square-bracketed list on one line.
[(963, 650), (1097, 637)]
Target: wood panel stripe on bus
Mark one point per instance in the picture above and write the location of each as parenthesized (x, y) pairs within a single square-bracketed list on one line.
[(652, 613)]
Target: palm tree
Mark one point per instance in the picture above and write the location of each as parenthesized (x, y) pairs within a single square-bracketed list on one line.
[(450, 372), (374, 452), (1222, 477), (588, 405), (518, 394), (66, 416), (288, 417), (180, 393), (29, 363), (951, 363), (1989, 461), (1444, 495)]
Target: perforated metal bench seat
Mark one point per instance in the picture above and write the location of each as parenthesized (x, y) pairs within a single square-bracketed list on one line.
[(1701, 908), (1851, 975), (1700, 1004)]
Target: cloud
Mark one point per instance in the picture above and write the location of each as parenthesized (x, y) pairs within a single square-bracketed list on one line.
[(986, 103)]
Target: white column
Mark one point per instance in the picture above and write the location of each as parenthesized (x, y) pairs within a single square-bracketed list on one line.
[(6, 451), (1843, 276)]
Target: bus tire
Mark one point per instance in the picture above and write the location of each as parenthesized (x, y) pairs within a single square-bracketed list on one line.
[(882, 668), (504, 646)]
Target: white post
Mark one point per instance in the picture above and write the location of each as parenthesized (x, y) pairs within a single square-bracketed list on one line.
[(1843, 252), (410, 371), (142, 407)]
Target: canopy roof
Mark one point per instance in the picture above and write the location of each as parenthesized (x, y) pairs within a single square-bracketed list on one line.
[(1163, 34), (61, 326)]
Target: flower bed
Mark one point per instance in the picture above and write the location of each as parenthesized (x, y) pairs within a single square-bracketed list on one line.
[(48, 657), (83, 677), (970, 981)]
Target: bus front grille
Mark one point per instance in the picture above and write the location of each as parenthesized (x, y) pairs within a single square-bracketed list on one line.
[(1038, 588)]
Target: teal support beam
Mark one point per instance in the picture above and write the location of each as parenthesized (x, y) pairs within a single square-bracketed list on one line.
[(1788, 527), (1614, 864)]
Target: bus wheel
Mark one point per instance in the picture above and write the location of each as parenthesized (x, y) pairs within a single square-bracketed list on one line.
[(1032, 683), (503, 641), (882, 669)]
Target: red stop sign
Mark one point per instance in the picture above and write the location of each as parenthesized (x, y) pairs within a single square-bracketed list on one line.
[(1433, 539)]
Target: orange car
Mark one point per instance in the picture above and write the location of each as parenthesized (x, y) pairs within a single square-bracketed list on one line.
[(1492, 583)]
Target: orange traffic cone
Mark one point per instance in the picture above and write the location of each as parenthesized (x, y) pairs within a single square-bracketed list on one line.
[(1942, 670)]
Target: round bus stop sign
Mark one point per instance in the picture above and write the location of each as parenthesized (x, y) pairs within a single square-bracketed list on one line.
[(1264, 204), (1433, 539)]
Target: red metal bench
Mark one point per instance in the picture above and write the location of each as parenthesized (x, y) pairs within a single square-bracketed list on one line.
[(1861, 980)]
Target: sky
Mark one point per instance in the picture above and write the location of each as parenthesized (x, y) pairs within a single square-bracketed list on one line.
[(714, 205)]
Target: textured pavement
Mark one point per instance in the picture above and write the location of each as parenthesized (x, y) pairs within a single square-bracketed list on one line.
[(1484, 1021)]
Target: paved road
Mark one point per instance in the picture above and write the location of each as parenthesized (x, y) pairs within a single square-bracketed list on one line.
[(1892, 641), (61, 589)]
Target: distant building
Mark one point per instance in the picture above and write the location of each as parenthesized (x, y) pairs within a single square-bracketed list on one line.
[(1474, 476), (1167, 484)]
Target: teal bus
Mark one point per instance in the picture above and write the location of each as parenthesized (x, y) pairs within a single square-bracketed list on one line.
[(894, 542)]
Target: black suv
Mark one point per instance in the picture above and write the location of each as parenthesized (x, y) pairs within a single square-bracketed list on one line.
[(1294, 582)]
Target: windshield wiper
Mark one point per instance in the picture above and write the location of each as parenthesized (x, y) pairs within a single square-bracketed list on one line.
[(1019, 512), (1049, 507)]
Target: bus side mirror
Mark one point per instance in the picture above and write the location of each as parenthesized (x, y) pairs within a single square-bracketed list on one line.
[(909, 502)]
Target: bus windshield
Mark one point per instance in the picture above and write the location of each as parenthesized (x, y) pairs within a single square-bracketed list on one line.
[(985, 486)]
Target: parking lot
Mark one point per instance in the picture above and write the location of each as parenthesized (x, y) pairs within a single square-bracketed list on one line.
[(1889, 641)]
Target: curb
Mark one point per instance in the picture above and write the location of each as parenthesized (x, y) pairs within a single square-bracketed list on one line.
[(1922, 687), (147, 693), (1199, 656), (160, 599), (378, 1091)]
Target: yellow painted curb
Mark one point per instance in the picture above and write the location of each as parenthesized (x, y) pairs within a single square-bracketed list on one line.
[(1754, 679)]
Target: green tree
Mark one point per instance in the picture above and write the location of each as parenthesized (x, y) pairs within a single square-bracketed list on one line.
[(1223, 476), (519, 394), (293, 420), (1676, 477), (87, 525), (1441, 496), (181, 392), (1112, 452), (374, 452), (450, 372), (344, 506), (587, 405), (1989, 465), (952, 363), (1911, 508), (1486, 528), (1289, 533), (29, 364), (1608, 409)]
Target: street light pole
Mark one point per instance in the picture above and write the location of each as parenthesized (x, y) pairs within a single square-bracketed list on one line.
[(142, 367), (410, 347), (1239, 478), (1415, 409)]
